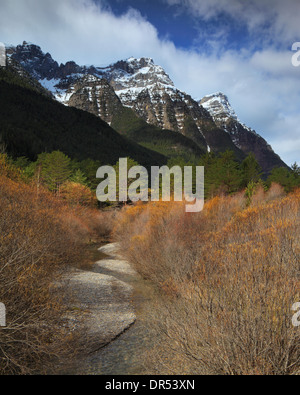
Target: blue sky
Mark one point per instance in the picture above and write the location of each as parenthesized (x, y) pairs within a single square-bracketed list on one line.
[(177, 23), (239, 47), (172, 22)]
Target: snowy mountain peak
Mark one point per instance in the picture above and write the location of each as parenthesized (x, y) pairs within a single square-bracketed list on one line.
[(219, 107), (134, 76), (141, 70), (34, 60), (141, 62), (29, 48), (217, 104)]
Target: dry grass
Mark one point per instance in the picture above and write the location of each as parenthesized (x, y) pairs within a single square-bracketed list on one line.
[(228, 278), (39, 236)]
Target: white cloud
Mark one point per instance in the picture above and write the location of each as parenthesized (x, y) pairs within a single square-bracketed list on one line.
[(262, 86), (277, 20), (76, 29)]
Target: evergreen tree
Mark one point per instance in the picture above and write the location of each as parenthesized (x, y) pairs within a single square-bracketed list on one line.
[(296, 169), (285, 177), (79, 178), (21, 162), (251, 170), (55, 170), (89, 168), (222, 174)]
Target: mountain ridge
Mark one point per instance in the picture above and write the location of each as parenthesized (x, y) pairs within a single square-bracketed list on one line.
[(32, 123), (146, 89), (245, 138)]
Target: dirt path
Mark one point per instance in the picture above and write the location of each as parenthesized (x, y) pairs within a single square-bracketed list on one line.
[(113, 300), (102, 301)]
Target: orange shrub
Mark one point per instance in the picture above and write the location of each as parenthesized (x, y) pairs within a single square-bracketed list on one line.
[(228, 278), (78, 195), (39, 236)]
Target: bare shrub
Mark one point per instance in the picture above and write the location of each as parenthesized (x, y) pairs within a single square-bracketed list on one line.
[(228, 278), (275, 191), (39, 236)]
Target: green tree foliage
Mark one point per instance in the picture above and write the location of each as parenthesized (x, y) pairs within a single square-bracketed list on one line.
[(56, 170), (222, 173), (252, 187), (289, 179), (296, 169), (21, 162), (251, 170), (130, 163), (79, 178), (182, 162), (89, 167)]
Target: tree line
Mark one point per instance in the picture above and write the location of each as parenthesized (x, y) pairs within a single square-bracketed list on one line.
[(76, 180)]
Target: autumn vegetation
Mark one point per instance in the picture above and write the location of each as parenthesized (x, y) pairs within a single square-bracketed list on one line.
[(227, 278), (41, 235)]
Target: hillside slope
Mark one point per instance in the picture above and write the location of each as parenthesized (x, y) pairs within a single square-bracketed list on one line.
[(96, 95), (32, 123)]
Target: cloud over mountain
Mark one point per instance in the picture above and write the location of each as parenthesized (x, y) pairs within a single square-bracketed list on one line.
[(261, 83)]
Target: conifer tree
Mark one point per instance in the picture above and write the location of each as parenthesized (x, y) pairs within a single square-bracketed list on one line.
[(79, 178), (222, 174), (56, 169), (251, 170), (296, 169), (285, 178)]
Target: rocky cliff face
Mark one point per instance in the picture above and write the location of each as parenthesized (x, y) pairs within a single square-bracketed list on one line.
[(16, 69), (33, 60), (147, 89), (96, 96), (245, 138), (144, 87)]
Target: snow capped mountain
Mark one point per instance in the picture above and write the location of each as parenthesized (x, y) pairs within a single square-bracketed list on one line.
[(221, 110), (219, 107), (149, 91), (243, 137), (138, 75), (145, 88), (31, 57), (54, 77)]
